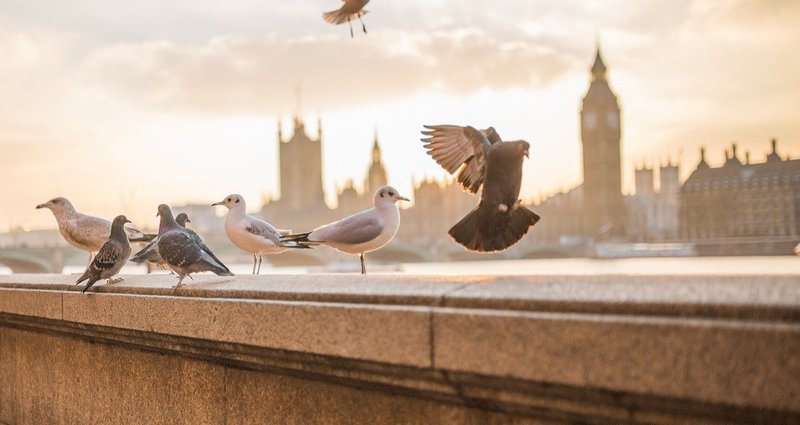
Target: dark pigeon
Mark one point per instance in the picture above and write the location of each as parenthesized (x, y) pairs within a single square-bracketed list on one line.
[(183, 250), (149, 253), (481, 158), (111, 257)]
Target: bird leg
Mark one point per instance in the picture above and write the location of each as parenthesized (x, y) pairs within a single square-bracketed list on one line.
[(363, 26), (260, 259), (351, 26), (254, 263), (180, 279), (363, 268), (113, 281)]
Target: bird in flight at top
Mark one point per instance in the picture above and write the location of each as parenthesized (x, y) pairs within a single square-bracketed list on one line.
[(482, 158), (350, 9)]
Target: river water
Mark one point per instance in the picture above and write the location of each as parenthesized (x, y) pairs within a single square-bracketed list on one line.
[(561, 266)]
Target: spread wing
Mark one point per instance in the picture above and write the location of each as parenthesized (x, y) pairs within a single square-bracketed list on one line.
[(461, 150), (356, 229)]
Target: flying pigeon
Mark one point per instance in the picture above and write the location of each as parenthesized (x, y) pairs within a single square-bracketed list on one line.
[(483, 158), (111, 256), (84, 231), (349, 10), (149, 253), (252, 234), (362, 232), (183, 250)]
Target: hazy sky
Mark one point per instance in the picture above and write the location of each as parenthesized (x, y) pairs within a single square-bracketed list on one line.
[(123, 105)]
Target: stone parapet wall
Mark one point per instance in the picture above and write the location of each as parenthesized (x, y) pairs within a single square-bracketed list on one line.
[(388, 349)]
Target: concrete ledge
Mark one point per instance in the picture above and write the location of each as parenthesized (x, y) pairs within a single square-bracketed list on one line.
[(462, 349)]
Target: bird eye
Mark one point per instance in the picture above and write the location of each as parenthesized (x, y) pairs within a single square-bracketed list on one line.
[(391, 193), (237, 201), (229, 199), (382, 193)]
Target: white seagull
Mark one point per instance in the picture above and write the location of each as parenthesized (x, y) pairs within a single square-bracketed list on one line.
[(84, 231), (362, 232), (350, 9), (252, 234)]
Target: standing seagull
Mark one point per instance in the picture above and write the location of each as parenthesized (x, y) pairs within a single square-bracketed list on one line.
[(252, 234), (84, 231), (362, 232), (183, 250), (482, 158), (149, 253), (111, 257), (349, 10)]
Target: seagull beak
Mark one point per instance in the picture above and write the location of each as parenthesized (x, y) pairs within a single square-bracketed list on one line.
[(402, 198), (40, 206), (128, 221), (216, 204), (527, 153), (188, 221)]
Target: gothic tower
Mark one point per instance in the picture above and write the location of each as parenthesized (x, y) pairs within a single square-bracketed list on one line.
[(603, 207), (376, 176), (301, 169)]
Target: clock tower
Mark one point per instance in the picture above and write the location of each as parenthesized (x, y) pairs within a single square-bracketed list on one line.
[(603, 207)]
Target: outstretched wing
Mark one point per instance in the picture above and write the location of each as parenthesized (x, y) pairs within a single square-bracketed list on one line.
[(460, 150)]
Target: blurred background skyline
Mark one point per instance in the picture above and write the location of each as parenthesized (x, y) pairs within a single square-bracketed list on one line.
[(122, 106)]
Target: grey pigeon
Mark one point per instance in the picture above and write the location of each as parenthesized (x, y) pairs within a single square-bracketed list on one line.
[(183, 250), (350, 9), (483, 158), (84, 231), (111, 257), (149, 253)]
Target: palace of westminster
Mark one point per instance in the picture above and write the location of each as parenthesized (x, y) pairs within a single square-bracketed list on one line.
[(737, 200)]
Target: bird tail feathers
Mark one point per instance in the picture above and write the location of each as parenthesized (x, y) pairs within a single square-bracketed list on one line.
[(338, 17), (489, 231), (215, 265)]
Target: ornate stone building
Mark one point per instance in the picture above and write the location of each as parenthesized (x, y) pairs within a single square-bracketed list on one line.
[(603, 207), (350, 200), (653, 214), (739, 201)]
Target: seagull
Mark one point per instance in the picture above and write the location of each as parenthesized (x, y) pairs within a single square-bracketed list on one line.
[(111, 257), (252, 234), (149, 253), (349, 10), (84, 231), (483, 158), (362, 232), (183, 250)]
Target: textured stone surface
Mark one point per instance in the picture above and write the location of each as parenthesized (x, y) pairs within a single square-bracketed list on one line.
[(397, 335), (45, 304), (258, 399), (8, 372), (69, 381), (747, 364)]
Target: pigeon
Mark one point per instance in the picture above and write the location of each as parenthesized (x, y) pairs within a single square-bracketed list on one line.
[(149, 253), (252, 234), (362, 232), (349, 10), (483, 158), (111, 256), (84, 231), (183, 250)]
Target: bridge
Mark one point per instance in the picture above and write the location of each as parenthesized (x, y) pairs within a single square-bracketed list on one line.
[(40, 259)]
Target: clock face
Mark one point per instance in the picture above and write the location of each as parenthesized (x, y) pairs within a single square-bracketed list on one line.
[(612, 119), (590, 120)]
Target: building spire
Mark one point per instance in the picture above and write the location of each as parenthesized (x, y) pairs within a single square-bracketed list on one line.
[(773, 156), (598, 68), (280, 130), (376, 149), (298, 109)]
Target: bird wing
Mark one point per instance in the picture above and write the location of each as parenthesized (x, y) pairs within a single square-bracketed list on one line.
[(460, 150), (148, 253), (106, 258), (263, 229), (178, 249), (89, 231), (205, 249), (358, 228)]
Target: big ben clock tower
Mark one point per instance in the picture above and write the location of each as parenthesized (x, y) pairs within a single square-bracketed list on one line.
[(603, 207)]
